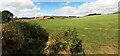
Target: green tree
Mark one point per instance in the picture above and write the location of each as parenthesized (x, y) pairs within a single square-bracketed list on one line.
[(6, 16)]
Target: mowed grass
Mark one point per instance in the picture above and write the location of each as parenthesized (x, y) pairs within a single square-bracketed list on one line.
[(99, 33)]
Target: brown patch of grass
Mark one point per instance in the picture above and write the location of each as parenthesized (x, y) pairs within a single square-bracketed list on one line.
[(108, 49)]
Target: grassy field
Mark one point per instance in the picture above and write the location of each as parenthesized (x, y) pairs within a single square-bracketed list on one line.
[(99, 33)]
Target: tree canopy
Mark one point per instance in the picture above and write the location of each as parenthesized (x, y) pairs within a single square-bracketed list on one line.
[(6, 16)]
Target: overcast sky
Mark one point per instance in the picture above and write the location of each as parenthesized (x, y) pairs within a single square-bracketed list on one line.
[(31, 8)]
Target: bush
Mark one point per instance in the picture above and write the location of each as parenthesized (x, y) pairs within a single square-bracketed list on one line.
[(23, 38), (66, 41), (51, 18), (15, 18)]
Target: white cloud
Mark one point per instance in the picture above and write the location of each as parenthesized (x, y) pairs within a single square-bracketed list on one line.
[(26, 8), (62, 0), (99, 6), (67, 2), (20, 8), (17, 3), (67, 10)]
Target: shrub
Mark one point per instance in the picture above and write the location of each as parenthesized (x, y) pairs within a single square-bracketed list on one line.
[(23, 38), (66, 41), (15, 18), (51, 18)]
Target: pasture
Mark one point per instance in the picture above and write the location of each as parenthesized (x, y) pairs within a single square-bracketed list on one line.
[(99, 33)]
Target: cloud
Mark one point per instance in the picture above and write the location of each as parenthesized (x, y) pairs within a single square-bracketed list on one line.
[(17, 3), (67, 10), (67, 2), (62, 0), (27, 8), (99, 6), (20, 8)]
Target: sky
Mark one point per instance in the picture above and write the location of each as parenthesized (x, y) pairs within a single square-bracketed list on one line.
[(34, 8)]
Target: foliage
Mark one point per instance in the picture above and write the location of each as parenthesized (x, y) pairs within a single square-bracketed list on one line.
[(51, 17), (6, 16), (93, 14), (66, 41), (16, 18), (23, 38)]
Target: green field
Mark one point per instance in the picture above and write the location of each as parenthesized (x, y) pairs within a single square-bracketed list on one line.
[(99, 33)]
